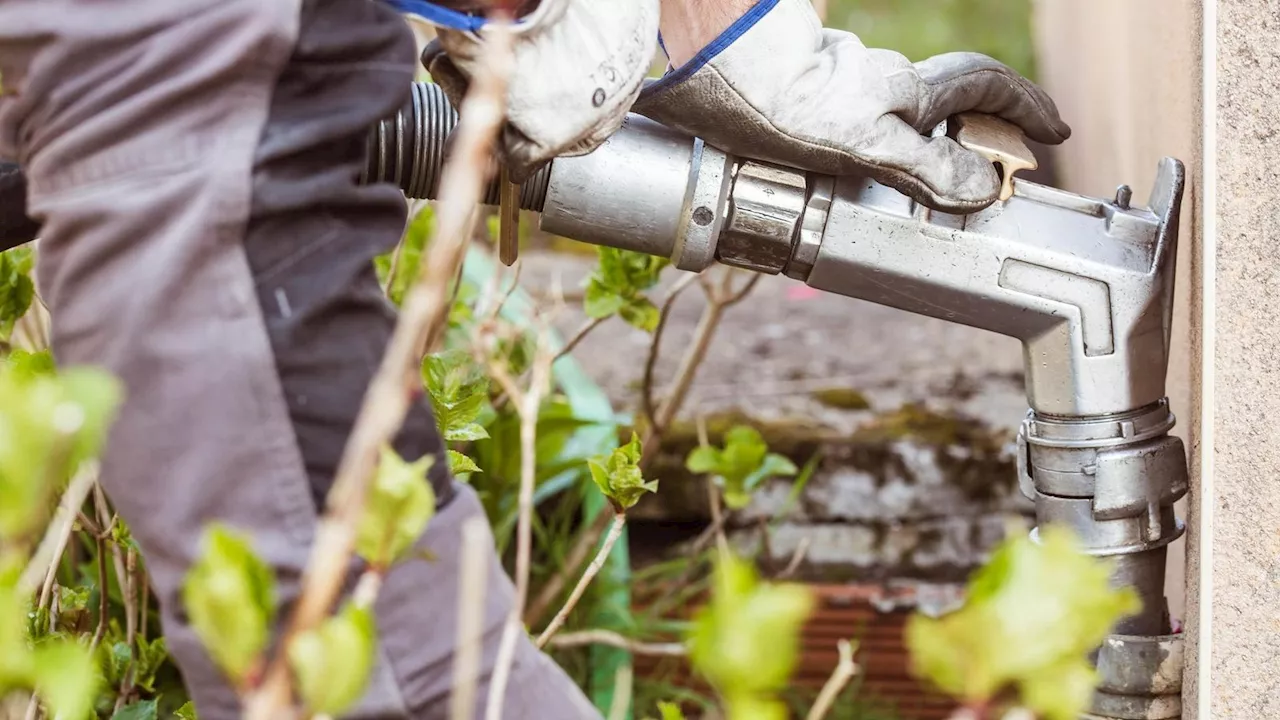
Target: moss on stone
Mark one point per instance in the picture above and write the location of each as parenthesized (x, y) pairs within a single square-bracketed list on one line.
[(842, 399)]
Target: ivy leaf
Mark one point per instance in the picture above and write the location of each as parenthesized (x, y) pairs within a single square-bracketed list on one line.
[(332, 662), (741, 465), (618, 476), (1033, 615), (618, 284), (746, 640), (186, 712), (66, 677), (460, 464), (229, 594), (458, 389), (141, 710), (397, 510), (16, 288), (16, 666)]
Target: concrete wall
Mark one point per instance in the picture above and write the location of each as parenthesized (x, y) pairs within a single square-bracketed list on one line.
[(1126, 76)]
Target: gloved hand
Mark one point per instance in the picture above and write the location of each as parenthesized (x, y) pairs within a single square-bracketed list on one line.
[(579, 65), (776, 86)]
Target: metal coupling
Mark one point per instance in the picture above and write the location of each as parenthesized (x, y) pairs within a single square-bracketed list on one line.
[(1114, 479), (765, 208), (409, 150), (1139, 678)]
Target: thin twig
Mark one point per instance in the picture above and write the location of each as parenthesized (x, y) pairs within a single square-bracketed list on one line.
[(367, 588), (128, 589), (646, 388), (843, 673), (613, 639), (717, 519), (104, 595), (586, 328), (578, 554), (397, 381), (528, 403), (615, 532), (466, 658), (796, 558), (44, 562)]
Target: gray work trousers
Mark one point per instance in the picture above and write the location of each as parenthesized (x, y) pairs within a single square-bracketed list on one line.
[(194, 164)]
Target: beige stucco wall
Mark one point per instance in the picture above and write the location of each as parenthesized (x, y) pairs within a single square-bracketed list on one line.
[(1126, 77)]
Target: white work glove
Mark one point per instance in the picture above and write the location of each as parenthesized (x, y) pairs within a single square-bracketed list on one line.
[(778, 87), (579, 66)]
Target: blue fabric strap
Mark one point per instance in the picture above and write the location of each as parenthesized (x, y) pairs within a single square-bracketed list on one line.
[(714, 48), (437, 15)]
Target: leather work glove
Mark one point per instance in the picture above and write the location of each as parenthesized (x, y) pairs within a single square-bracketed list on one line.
[(777, 86), (579, 66)]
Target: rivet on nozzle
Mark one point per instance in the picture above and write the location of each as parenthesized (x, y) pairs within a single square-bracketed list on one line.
[(1124, 194)]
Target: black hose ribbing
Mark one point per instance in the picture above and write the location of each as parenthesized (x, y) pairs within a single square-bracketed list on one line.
[(409, 149)]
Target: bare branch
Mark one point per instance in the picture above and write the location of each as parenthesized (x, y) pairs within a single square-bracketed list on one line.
[(528, 404), (796, 558), (582, 547), (583, 331), (843, 673), (615, 532), (44, 562), (613, 639), (646, 392)]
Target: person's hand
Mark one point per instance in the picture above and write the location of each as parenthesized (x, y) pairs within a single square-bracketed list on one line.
[(776, 86), (579, 66)]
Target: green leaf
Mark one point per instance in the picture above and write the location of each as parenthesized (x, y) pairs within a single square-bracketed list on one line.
[(1032, 615), (16, 288), (458, 389), (670, 711), (741, 466), (186, 712), (332, 663), (466, 433), (397, 510), (229, 594), (407, 257), (641, 313), (141, 710), (599, 302), (746, 640), (25, 364), (66, 678), (618, 284), (48, 424), (703, 459), (460, 464), (618, 475)]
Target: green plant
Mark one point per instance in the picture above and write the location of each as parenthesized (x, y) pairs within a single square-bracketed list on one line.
[(746, 641), (618, 285), (741, 465), (1031, 617)]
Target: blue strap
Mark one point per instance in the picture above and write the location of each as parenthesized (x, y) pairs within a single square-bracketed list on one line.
[(437, 15), (714, 48)]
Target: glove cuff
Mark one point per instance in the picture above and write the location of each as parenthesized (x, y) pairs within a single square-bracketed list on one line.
[(711, 50)]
